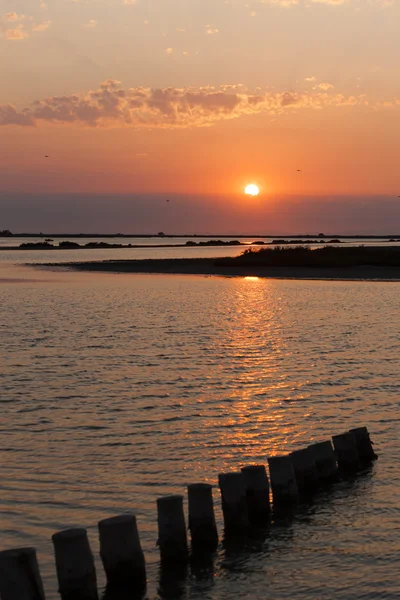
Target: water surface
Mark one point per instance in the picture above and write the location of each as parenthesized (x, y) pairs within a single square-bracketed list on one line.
[(117, 389)]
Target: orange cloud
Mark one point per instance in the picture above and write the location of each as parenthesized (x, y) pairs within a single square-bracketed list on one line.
[(41, 26), (16, 34), (23, 26), (11, 16), (112, 105)]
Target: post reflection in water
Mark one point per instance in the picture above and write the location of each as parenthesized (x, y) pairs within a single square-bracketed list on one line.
[(173, 580)]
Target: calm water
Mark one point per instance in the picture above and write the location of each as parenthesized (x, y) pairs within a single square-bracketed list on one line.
[(119, 389)]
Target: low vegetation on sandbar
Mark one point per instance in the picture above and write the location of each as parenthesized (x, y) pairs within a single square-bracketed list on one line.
[(327, 256)]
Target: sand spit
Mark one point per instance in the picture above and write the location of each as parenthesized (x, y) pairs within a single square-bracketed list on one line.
[(212, 266)]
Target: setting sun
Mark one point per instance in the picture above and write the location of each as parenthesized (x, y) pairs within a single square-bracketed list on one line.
[(252, 189)]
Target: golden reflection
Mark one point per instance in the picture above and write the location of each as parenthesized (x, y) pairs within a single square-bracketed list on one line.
[(254, 420), (262, 393)]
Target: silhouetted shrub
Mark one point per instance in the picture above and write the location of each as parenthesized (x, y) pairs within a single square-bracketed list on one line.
[(68, 245), (326, 256), (36, 246)]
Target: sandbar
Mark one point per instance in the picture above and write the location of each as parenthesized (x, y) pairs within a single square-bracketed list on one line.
[(210, 266)]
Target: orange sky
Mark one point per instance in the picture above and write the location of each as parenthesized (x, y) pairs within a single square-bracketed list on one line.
[(212, 96)]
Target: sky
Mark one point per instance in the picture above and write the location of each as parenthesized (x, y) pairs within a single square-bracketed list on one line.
[(110, 107)]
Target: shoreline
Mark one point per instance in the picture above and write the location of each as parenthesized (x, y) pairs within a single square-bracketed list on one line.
[(207, 267)]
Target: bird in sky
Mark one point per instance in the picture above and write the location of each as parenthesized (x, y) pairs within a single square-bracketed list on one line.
[(299, 170), (167, 201), (46, 156)]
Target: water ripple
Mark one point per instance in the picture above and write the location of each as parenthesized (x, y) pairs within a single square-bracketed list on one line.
[(118, 390)]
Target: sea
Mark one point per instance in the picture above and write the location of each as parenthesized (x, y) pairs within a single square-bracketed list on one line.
[(117, 389)]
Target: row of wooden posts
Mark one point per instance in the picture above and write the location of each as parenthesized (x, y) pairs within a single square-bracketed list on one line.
[(245, 502)]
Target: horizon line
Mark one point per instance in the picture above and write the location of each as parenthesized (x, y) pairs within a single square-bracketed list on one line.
[(319, 235)]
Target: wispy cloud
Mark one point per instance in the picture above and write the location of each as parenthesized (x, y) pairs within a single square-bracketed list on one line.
[(210, 30), (90, 24), (41, 26), (18, 33), (112, 105), (12, 16), (14, 26)]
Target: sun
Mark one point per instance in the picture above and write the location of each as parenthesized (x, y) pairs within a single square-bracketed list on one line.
[(252, 189)]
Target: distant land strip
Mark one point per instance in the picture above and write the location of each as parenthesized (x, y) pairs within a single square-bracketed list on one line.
[(70, 245), (328, 262)]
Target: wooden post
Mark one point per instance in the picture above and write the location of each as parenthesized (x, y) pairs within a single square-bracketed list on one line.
[(76, 572), (325, 461), (283, 481), (234, 502), (346, 452), (19, 575), (121, 552), (363, 445), (257, 493), (202, 525), (172, 529), (305, 470)]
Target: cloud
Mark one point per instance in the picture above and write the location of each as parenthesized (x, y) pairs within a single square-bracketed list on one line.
[(18, 33), (112, 105), (210, 30), (90, 24), (10, 116), (41, 26), (18, 27), (12, 26), (12, 16)]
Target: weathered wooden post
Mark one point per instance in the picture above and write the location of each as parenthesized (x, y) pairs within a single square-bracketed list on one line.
[(283, 482), (234, 502), (172, 529), (19, 575), (305, 470), (121, 552), (346, 452), (325, 461), (76, 572), (363, 444), (257, 493), (202, 525)]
